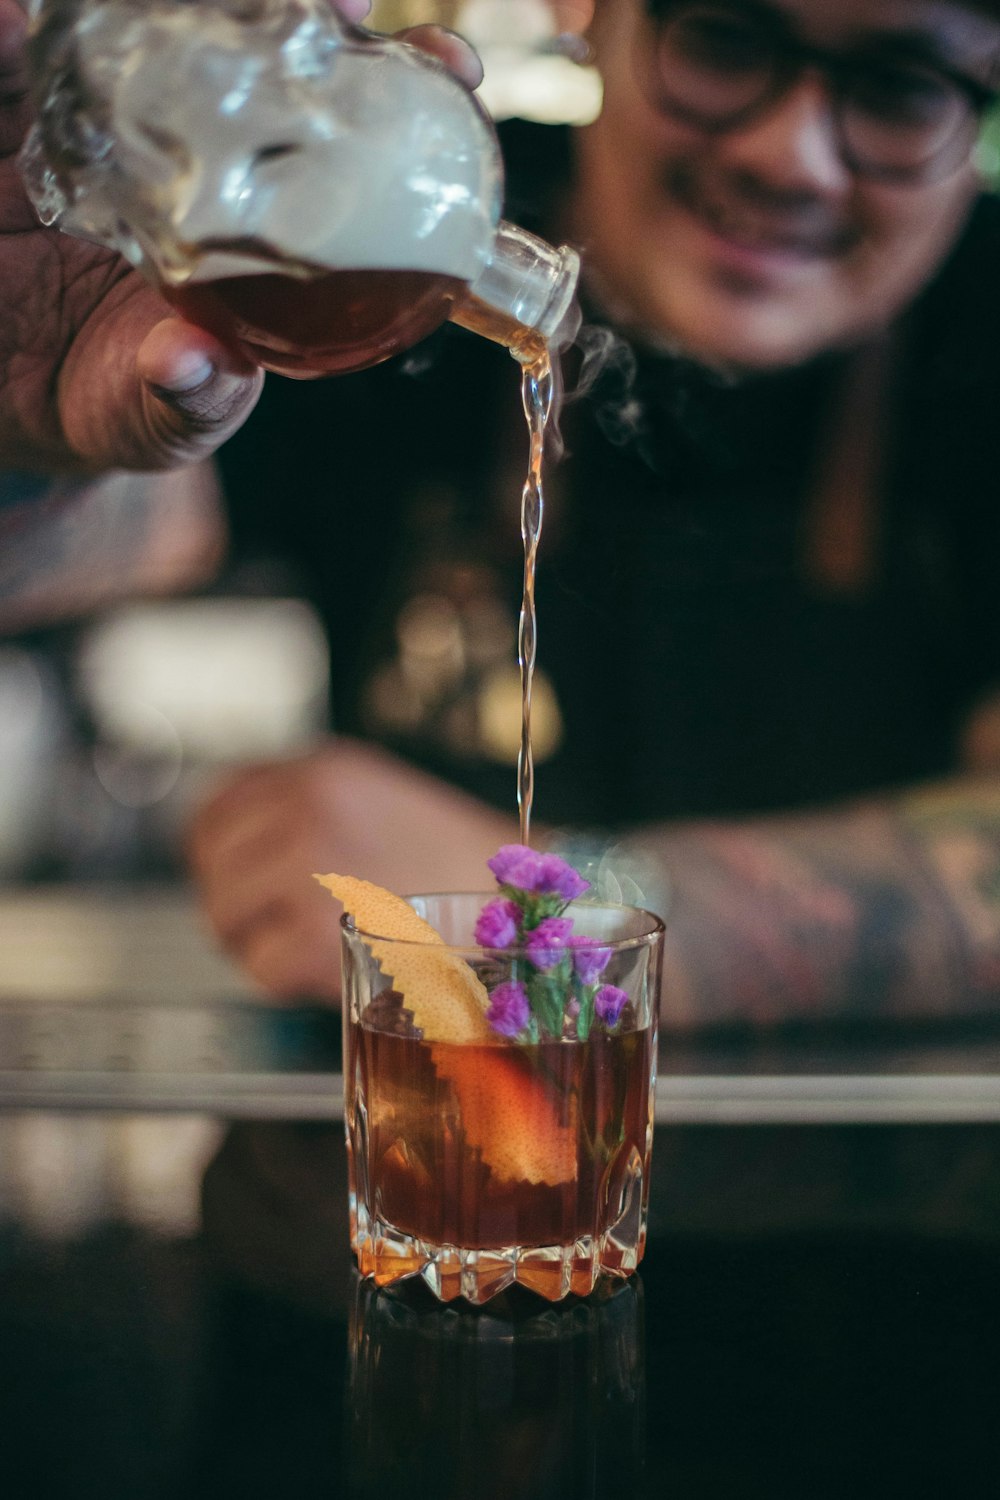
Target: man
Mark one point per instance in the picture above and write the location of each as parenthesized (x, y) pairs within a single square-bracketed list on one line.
[(768, 604)]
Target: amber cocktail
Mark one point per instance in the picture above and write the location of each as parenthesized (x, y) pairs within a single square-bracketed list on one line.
[(518, 1152)]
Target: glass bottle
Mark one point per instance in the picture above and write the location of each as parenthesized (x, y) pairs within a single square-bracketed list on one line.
[(316, 195)]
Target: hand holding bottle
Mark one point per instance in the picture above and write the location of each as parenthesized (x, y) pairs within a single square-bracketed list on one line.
[(97, 375), (94, 377), (314, 196)]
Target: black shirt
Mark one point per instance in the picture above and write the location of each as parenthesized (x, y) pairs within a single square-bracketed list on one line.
[(699, 669)]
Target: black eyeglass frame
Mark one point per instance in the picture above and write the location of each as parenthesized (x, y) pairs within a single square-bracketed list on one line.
[(793, 54)]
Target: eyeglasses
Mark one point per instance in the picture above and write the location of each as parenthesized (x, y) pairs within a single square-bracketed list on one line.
[(897, 115)]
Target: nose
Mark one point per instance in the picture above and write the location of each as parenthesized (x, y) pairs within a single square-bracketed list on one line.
[(793, 146)]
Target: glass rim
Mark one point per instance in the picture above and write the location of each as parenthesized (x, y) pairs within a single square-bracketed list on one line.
[(657, 928)]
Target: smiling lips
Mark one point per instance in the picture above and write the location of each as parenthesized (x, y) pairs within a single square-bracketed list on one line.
[(776, 229)]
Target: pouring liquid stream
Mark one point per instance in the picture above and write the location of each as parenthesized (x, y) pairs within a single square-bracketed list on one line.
[(537, 395)]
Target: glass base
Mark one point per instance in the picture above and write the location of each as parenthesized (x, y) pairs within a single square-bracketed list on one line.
[(388, 1255)]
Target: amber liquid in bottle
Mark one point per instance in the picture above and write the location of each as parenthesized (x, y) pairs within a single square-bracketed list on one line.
[(329, 323)]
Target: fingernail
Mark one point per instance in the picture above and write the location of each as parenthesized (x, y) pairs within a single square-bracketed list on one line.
[(191, 371)]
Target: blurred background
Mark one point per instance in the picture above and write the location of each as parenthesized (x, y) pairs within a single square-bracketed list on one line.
[(530, 50)]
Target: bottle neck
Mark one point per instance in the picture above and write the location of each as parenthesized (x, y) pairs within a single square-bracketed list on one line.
[(525, 299)]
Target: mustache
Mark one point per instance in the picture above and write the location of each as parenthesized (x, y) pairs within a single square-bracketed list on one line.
[(738, 198)]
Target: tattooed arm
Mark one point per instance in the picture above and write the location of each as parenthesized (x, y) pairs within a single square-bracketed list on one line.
[(72, 547), (889, 908)]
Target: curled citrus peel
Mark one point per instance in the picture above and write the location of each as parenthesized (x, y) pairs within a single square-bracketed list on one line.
[(446, 999), (508, 1115)]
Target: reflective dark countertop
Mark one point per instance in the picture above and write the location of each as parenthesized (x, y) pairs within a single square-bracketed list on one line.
[(809, 1349)]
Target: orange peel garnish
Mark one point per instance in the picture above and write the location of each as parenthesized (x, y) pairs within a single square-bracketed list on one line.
[(508, 1114), (446, 999)]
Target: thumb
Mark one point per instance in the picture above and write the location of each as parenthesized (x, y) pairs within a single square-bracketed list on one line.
[(196, 391)]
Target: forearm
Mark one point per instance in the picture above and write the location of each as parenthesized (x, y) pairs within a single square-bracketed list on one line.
[(886, 909), (69, 547)]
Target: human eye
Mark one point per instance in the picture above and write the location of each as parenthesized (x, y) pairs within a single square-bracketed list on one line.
[(717, 40), (903, 94)]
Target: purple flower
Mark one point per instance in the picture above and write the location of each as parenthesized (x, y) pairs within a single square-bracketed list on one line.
[(509, 1011), (516, 865), (609, 1002), (546, 945), (557, 878), (589, 958), (544, 874), (497, 924)]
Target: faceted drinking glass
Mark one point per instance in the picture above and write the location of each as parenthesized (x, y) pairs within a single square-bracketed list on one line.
[(477, 1164)]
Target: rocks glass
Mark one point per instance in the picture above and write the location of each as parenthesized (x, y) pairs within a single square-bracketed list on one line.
[(523, 1155)]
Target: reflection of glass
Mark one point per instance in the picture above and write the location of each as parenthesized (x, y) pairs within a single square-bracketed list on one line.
[(483, 1161), (505, 1402)]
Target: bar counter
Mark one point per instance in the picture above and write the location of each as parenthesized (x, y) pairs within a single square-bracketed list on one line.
[(816, 1314), (248, 1360)]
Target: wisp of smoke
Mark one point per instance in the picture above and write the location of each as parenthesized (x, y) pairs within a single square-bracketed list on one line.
[(610, 360), (604, 351)]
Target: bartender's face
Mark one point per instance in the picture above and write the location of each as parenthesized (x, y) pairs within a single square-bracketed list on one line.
[(756, 201)]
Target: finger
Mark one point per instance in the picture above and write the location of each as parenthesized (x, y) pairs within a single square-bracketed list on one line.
[(295, 959), (198, 391), (138, 390), (453, 50), (233, 795), (353, 10), (234, 857), (259, 855), (246, 830), (234, 905)]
